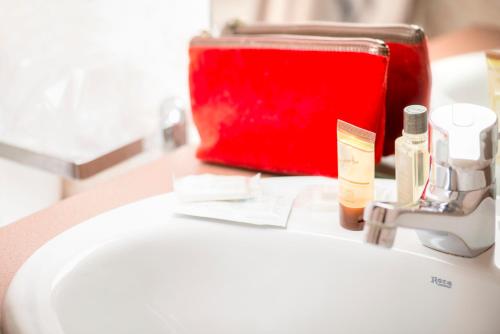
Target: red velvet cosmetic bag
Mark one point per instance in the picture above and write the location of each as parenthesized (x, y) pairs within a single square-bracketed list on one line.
[(409, 76), (271, 103)]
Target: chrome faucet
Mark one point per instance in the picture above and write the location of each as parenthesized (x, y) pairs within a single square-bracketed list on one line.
[(456, 213)]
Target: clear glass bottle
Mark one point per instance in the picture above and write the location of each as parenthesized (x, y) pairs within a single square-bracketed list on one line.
[(412, 155), (493, 61)]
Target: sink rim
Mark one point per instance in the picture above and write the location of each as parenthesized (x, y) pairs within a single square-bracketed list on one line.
[(83, 239)]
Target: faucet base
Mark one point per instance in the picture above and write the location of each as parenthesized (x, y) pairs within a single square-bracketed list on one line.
[(480, 236), (449, 243)]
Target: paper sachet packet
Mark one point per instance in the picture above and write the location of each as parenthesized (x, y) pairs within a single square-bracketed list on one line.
[(210, 187), (264, 209), (236, 199)]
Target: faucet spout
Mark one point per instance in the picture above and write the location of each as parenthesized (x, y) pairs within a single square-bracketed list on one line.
[(463, 225)]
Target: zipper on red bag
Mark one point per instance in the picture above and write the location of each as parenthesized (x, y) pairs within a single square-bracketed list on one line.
[(403, 33), (294, 42)]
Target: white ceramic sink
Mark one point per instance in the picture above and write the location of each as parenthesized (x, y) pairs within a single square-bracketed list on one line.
[(140, 269)]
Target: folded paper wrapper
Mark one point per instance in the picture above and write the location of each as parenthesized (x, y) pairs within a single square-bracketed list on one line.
[(210, 187), (232, 198)]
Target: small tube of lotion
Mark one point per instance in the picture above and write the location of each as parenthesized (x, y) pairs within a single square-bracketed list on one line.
[(356, 173)]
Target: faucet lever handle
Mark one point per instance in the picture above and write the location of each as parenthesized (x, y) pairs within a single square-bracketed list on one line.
[(463, 136)]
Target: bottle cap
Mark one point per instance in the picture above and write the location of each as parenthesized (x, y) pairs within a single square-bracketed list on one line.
[(415, 119)]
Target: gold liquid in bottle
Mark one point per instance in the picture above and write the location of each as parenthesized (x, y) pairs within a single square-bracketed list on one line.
[(493, 62), (356, 173)]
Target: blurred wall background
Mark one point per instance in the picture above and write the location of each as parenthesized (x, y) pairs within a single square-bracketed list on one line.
[(435, 16)]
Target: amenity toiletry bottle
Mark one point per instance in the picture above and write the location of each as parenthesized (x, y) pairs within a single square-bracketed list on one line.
[(493, 61), (412, 155), (356, 173)]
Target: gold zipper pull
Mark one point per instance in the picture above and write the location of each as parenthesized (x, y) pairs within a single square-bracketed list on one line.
[(232, 26)]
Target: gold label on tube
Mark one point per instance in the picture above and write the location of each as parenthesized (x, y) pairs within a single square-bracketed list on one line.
[(356, 172)]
